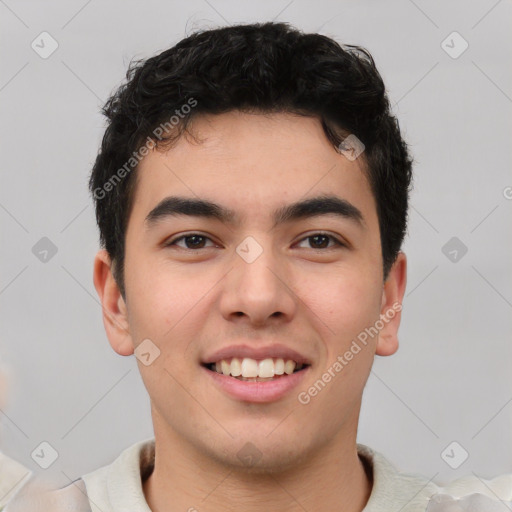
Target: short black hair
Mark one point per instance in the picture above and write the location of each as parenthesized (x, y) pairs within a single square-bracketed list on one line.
[(260, 68)]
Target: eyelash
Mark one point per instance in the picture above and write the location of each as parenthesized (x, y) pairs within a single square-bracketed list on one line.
[(188, 235)]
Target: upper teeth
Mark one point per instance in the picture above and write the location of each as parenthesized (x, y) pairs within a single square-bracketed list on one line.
[(248, 367)]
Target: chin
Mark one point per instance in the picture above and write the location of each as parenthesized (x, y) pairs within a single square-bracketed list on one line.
[(257, 455)]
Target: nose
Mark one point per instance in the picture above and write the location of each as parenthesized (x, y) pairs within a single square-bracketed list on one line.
[(258, 292)]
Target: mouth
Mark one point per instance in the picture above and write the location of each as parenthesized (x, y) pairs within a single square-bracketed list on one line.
[(253, 370), (262, 374)]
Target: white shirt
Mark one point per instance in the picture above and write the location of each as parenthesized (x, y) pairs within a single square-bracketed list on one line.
[(118, 487)]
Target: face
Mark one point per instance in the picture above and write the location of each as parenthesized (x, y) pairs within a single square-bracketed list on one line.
[(233, 265)]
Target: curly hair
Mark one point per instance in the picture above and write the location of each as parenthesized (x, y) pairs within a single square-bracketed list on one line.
[(262, 67)]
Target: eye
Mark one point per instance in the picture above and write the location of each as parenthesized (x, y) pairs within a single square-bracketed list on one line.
[(191, 241), (194, 241), (321, 241)]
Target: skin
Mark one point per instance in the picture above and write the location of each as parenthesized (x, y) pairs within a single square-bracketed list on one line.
[(190, 302)]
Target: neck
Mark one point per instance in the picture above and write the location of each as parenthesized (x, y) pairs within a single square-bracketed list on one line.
[(335, 478)]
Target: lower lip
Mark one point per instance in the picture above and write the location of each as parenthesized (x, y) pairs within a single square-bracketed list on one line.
[(263, 391)]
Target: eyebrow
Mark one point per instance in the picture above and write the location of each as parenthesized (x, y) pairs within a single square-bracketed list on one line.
[(316, 206)]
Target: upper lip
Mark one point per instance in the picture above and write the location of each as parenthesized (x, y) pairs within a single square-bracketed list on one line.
[(259, 353)]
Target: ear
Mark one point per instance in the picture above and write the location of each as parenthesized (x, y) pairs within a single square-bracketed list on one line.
[(391, 307), (114, 309)]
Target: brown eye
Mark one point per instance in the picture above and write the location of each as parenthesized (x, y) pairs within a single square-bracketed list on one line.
[(321, 241), (192, 241)]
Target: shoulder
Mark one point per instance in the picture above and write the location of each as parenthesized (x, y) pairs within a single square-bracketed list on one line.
[(474, 493), (413, 492), (112, 488), (393, 489), (118, 486)]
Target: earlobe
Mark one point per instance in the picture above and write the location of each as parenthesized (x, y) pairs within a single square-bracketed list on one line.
[(114, 309), (391, 307)]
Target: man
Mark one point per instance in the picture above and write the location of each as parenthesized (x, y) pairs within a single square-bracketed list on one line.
[(251, 193)]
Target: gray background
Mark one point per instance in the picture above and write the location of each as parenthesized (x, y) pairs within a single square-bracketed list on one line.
[(451, 379)]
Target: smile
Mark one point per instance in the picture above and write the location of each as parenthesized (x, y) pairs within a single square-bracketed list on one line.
[(257, 381), (248, 369)]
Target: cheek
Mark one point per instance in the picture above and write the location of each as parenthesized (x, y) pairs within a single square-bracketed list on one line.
[(349, 304), (170, 307), (347, 301), (159, 298)]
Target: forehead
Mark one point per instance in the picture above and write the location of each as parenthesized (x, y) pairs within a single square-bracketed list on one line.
[(252, 164)]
